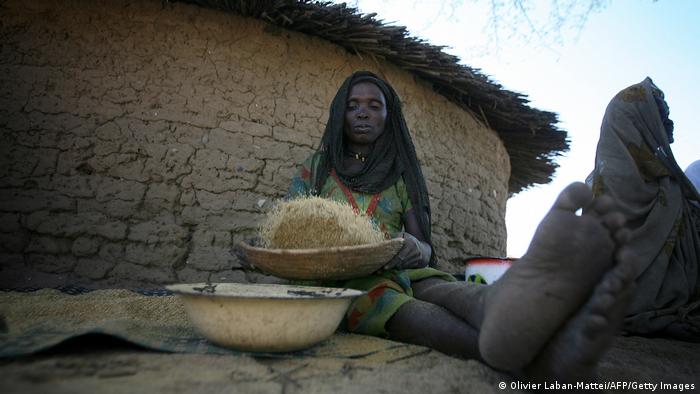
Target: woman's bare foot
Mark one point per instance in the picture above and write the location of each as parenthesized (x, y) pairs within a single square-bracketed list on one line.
[(567, 258), (573, 353)]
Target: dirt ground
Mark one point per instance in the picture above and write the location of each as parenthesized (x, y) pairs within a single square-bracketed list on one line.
[(102, 365)]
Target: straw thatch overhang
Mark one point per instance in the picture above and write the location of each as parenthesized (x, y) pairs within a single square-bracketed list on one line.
[(531, 136)]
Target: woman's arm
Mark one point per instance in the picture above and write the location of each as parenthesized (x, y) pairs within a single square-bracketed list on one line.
[(415, 252)]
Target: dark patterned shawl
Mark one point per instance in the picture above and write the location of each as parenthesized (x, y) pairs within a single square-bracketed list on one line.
[(635, 165)]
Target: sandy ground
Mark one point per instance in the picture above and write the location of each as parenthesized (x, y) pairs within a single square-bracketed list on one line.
[(100, 365)]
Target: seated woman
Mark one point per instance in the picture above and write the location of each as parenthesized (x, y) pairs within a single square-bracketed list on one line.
[(550, 316), (634, 164)]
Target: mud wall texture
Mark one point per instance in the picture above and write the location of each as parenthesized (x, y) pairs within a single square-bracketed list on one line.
[(140, 142)]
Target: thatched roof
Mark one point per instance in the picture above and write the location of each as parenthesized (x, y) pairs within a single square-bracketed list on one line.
[(531, 136)]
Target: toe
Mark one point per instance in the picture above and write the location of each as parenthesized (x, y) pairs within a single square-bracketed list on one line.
[(602, 303), (594, 324), (614, 221), (601, 205), (622, 235), (574, 197), (627, 263)]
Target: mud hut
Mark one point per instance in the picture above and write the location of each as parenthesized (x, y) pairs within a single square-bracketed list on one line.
[(142, 139)]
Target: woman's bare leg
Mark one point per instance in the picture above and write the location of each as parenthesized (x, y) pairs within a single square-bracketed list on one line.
[(426, 324), (465, 300)]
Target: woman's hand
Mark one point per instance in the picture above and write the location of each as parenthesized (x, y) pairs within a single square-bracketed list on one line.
[(413, 254)]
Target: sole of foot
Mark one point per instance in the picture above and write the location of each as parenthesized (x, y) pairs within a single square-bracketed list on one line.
[(567, 258), (572, 355)]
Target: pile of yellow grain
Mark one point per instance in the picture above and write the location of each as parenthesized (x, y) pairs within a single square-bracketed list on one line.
[(314, 222)]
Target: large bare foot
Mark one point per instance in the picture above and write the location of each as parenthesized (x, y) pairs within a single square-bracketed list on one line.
[(572, 354), (566, 259)]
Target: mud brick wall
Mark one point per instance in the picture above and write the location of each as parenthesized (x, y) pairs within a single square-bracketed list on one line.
[(140, 142)]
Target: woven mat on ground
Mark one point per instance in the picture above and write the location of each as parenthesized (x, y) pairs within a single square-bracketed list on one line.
[(38, 320)]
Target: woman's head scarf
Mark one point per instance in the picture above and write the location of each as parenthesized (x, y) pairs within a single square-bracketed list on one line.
[(392, 156), (635, 165)]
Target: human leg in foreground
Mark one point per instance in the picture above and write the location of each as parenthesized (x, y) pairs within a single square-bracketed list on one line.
[(549, 294)]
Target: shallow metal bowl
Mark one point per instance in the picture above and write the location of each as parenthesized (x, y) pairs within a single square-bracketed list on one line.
[(264, 318), (343, 262)]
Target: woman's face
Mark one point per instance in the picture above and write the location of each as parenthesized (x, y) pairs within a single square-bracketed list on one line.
[(668, 123), (664, 111), (365, 114)]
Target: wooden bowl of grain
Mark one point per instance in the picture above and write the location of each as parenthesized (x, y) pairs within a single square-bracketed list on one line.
[(317, 238), (336, 263)]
